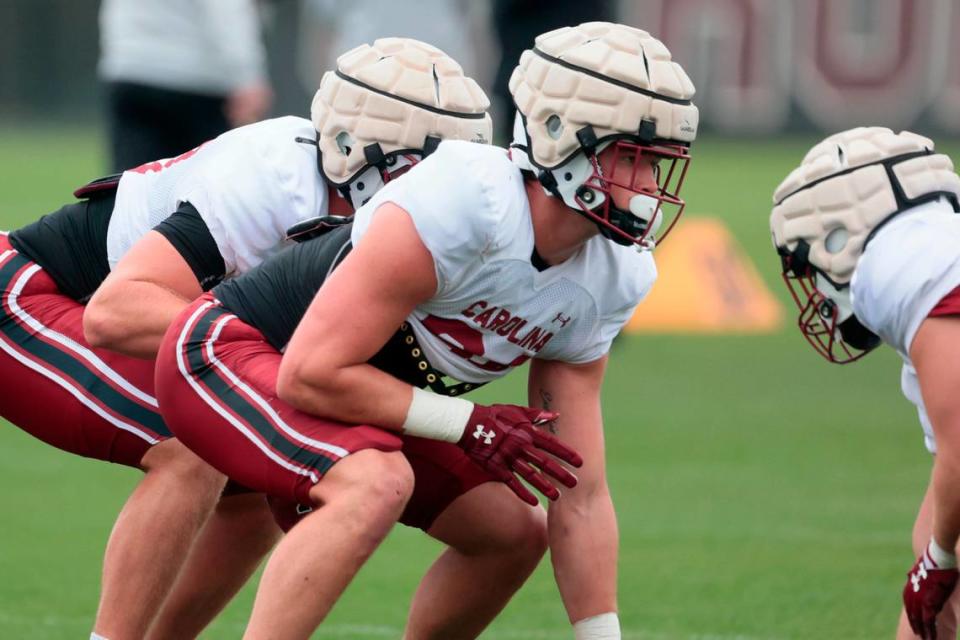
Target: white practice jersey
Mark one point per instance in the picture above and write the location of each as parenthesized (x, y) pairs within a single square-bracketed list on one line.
[(493, 309), (249, 185), (906, 269)]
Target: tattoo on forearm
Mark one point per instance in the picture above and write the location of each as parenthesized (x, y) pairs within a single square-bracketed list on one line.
[(546, 400)]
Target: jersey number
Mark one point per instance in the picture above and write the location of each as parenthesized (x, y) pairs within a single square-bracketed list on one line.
[(157, 165), (466, 342)]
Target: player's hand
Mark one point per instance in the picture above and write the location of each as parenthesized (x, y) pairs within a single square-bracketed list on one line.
[(248, 104), (505, 440), (927, 590)]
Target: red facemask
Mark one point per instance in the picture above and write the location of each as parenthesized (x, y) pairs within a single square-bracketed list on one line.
[(662, 210), (819, 318)]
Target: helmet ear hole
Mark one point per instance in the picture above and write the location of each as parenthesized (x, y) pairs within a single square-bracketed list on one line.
[(344, 142), (836, 240), (554, 127)]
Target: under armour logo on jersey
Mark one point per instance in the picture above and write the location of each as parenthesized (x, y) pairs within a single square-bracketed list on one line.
[(561, 319), (487, 436), (915, 578)]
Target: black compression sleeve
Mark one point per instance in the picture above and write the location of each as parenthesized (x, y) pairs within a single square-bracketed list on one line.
[(188, 233)]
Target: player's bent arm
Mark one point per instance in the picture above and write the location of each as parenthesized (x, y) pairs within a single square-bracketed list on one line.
[(324, 369), (936, 356), (132, 309), (361, 304), (582, 524)]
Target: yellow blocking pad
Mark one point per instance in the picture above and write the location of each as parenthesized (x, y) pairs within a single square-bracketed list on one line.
[(706, 284)]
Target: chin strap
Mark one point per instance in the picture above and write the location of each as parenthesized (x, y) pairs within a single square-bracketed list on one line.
[(362, 188), (594, 200), (626, 222), (568, 183), (378, 168), (858, 336)]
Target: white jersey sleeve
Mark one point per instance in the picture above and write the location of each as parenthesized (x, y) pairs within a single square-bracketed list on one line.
[(618, 279), (454, 210), (906, 269), (249, 186), (251, 191), (601, 338)]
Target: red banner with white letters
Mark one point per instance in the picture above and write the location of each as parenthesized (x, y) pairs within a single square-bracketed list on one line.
[(770, 65)]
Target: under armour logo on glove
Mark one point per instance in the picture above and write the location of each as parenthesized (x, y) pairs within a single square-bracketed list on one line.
[(487, 436), (930, 582), (915, 578), (504, 440)]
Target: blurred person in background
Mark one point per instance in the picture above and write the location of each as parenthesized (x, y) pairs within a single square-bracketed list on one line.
[(517, 23), (178, 73), (336, 26), (869, 240), (328, 27)]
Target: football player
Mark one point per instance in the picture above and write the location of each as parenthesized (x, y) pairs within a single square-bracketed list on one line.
[(473, 263), (867, 232), (224, 207)]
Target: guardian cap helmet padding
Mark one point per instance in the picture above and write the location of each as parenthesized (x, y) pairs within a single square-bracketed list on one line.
[(826, 211), (386, 106), (582, 89)]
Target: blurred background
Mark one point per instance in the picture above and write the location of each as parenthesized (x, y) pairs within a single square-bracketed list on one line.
[(761, 492), (760, 66)]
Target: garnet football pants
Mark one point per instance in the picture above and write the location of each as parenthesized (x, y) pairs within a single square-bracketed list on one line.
[(216, 385), (56, 387)]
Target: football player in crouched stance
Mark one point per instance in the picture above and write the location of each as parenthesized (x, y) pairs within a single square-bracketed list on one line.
[(216, 211), (474, 262), (869, 238)]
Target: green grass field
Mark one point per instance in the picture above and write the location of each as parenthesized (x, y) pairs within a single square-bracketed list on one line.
[(761, 492)]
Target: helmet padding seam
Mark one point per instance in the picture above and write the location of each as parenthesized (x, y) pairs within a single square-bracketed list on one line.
[(444, 112), (613, 81)]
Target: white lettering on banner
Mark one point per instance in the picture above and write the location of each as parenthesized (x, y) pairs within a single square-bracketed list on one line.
[(946, 62), (863, 62), (736, 52), (838, 64)]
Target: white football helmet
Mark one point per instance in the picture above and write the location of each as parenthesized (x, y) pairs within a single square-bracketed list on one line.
[(582, 89), (388, 105), (826, 211)]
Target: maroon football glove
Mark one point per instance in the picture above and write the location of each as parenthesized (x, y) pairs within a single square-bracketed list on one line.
[(925, 593), (504, 440)]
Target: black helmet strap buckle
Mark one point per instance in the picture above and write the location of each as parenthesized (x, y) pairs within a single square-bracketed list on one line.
[(430, 144), (374, 155), (647, 131), (587, 138)]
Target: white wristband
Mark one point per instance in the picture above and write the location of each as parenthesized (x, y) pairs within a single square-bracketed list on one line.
[(437, 417), (605, 626), (942, 558)]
